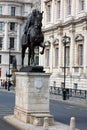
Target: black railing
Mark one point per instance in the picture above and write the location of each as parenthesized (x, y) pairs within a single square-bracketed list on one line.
[(78, 93)]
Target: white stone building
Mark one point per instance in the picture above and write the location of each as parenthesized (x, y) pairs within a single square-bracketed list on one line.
[(70, 17), (13, 14)]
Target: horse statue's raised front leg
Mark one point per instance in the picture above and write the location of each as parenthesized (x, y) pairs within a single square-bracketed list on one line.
[(43, 47)]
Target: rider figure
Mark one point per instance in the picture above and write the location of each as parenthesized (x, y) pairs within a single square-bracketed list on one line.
[(30, 22)]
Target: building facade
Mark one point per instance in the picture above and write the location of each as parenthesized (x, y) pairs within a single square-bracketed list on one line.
[(13, 14), (65, 17)]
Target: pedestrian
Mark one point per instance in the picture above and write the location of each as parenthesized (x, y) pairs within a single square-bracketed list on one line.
[(9, 85), (5, 84)]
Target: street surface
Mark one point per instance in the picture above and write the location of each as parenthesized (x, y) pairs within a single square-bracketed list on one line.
[(7, 100), (62, 111)]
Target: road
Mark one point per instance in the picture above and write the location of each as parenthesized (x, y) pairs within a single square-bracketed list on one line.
[(62, 111), (7, 100)]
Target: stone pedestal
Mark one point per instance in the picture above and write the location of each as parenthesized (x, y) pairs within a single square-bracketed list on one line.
[(32, 98)]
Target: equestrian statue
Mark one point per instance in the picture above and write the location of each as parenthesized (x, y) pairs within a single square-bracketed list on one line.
[(33, 36)]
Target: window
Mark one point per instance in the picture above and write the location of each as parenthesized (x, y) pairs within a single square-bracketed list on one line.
[(80, 54), (0, 10), (0, 42), (36, 60), (0, 59), (12, 26), (81, 2), (13, 11), (58, 9), (0, 72), (48, 13), (47, 57), (56, 56), (0, 25), (67, 55), (75, 86), (11, 58), (12, 42), (68, 7)]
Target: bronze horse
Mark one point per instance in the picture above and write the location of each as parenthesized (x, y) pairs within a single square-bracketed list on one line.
[(33, 36)]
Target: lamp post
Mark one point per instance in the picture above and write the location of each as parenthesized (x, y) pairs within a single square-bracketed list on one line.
[(66, 39)]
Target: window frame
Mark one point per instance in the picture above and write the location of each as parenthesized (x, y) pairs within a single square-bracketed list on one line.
[(12, 41), (12, 26), (68, 7), (47, 51), (81, 5), (67, 55), (11, 58), (48, 12), (0, 10), (56, 56), (80, 54), (0, 59), (13, 10), (58, 11), (1, 39)]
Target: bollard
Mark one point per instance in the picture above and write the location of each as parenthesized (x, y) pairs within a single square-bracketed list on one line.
[(72, 123), (46, 124)]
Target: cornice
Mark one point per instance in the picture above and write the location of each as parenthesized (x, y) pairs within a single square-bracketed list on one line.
[(18, 1), (14, 17), (66, 24)]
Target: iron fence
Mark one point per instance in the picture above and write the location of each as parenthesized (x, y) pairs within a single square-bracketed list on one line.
[(78, 93)]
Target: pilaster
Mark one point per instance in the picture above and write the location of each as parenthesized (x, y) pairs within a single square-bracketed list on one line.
[(72, 44), (60, 33), (73, 7), (51, 53), (6, 37), (85, 48), (18, 37)]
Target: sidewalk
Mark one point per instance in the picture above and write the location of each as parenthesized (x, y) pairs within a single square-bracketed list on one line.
[(6, 90), (71, 100)]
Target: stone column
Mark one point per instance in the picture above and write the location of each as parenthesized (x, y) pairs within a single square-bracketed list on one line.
[(52, 12), (62, 9), (18, 37), (76, 6), (85, 48), (6, 37), (72, 42), (51, 54), (73, 7), (60, 33)]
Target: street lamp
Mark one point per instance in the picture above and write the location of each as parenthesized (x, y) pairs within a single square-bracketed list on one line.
[(66, 39)]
